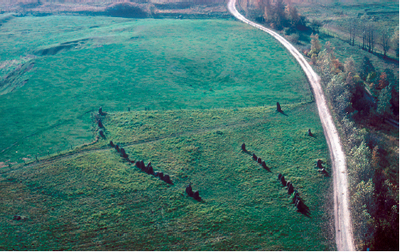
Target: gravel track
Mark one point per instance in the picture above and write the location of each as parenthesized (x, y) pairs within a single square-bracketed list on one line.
[(343, 226)]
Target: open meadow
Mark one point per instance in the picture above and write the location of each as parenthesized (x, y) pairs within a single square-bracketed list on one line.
[(181, 94)]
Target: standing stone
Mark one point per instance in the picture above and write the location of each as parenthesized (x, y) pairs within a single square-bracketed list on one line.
[(279, 176), (259, 160), (112, 144), (196, 195), (278, 107), (189, 190), (117, 148), (254, 157), (244, 147), (319, 163), (264, 165), (290, 189), (100, 124), (283, 180), (150, 169), (101, 133), (167, 179), (309, 132)]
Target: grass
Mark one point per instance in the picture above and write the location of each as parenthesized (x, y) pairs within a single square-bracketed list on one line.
[(195, 91), (107, 203), (124, 64)]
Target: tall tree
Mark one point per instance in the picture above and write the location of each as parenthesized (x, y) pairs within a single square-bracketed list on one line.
[(395, 41), (294, 17), (352, 28), (385, 41), (366, 68), (384, 102), (371, 36), (315, 44)]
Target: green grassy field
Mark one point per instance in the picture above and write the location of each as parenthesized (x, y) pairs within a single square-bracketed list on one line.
[(96, 200), (131, 64), (195, 91)]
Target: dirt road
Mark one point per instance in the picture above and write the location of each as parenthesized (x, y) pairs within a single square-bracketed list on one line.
[(343, 227)]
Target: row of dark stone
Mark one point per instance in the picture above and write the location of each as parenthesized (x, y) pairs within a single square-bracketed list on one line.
[(140, 164), (255, 158), (195, 195), (296, 198), (146, 168)]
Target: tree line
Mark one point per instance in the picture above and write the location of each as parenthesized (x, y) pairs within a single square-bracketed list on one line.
[(371, 34), (373, 197)]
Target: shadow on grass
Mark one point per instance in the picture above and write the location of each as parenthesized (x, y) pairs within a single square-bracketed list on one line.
[(283, 113)]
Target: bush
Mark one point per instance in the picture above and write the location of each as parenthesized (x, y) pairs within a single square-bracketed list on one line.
[(295, 38)]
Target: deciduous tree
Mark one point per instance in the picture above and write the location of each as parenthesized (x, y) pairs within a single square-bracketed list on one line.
[(395, 41), (384, 102), (385, 41)]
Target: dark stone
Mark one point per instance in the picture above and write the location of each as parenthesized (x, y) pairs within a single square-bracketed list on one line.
[(254, 156), (112, 144), (278, 107), (101, 111), (100, 124), (196, 195), (264, 165), (17, 217), (132, 161), (299, 204), (243, 147), (138, 164), (101, 133), (189, 190), (142, 166), (148, 164), (167, 179), (290, 189), (288, 184), (259, 160), (309, 132), (319, 163), (161, 175), (283, 180), (117, 148), (150, 169), (279, 176), (123, 153)]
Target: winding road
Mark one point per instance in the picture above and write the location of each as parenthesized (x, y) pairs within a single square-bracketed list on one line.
[(343, 227)]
